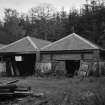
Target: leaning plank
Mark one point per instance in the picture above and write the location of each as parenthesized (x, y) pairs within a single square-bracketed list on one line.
[(7, 94), (9, 86), (22, 93), (43, 102), (10, 82)]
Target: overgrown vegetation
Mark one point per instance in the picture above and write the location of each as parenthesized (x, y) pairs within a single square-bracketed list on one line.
[(65, 91)]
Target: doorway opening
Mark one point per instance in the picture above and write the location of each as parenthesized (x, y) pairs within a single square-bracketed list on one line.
[(23, 65), (72, 66)]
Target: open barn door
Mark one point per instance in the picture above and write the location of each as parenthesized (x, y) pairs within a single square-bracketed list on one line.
[(72, 66), (24, 64)]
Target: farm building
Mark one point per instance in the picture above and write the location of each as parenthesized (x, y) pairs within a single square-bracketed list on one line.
[(69, 51), (1, 45), (18, 58)]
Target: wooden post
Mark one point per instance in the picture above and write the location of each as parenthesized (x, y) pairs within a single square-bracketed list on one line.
[(37, 61), (82, 56), (97, 59), (37, 56)]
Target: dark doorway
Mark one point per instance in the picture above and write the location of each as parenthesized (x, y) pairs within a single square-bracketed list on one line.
[(72, 66), (26, 65)]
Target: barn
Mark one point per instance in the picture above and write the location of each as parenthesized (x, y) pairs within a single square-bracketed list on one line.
[(1, 45), (69, 51), (19, 57)]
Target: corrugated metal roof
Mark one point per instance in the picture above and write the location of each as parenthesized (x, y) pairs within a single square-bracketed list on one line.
[(70, 42), (26, 44)]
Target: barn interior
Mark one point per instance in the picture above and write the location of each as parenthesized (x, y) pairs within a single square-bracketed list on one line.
[(71, 67), (25, 64), (20, 64)]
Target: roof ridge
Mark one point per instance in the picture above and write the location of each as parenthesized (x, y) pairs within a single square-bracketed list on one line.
[(57, 41), (69, 36), (38, 39), (87, 41), (32, 43)]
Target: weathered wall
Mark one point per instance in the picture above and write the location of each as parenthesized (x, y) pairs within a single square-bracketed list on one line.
[(49, 57), (60, 65), (88, 56), (45, 57), (66, 56), (61, 58)]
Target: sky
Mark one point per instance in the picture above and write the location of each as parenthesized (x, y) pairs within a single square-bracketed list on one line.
[(25, 5)]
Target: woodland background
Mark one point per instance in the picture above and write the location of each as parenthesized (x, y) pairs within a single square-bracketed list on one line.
[(45, 22)]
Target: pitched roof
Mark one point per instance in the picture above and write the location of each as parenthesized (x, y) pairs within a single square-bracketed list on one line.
[(39, 42), (70, 42), (26, 44), (1, 45)]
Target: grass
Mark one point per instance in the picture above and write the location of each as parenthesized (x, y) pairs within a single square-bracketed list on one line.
[(67, 91)]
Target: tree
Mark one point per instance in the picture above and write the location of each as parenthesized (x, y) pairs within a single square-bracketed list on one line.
[(89, 22), (40, 17), (73, 20), (12, 25), (42, 11)]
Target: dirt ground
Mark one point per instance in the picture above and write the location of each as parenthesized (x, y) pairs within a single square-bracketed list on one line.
[(63, 91)]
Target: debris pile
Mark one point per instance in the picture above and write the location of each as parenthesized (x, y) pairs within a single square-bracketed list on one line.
[(11, 89), (12, 93)]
